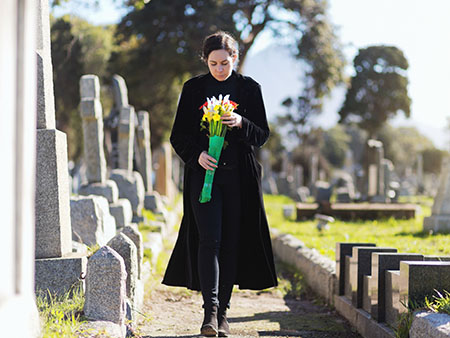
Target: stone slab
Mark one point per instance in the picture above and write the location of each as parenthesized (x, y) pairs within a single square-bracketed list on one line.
[(132, 232), (342, 250), (437, 223), (360, 265), (131, 187), (366, 304), (392, 303), (53, 229), (153, 202), (125, 247), (108, 189), (421, 279), (106, 287), (91, 221), (100, 329), (122, 212), (381, 262), (361, 320), (59, 275), (155, 244)]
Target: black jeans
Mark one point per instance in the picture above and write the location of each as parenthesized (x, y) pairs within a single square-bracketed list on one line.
[(218, 223)]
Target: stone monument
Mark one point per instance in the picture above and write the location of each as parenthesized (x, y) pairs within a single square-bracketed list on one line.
[(440, 215), (53, 228)]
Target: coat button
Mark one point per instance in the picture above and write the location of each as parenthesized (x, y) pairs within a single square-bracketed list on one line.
[(224, 163)]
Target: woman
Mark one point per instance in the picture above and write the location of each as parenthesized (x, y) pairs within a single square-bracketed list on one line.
[(225, 241)]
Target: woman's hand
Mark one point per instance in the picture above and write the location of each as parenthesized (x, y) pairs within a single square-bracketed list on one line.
[(206, 161), (232, 120)]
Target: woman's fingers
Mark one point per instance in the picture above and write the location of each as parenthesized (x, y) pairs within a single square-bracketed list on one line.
[(231, 120), (206, 161)]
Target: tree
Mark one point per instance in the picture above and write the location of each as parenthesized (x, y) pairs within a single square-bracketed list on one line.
[(335, 145), (432, 160), (378, 90), (159, 46)]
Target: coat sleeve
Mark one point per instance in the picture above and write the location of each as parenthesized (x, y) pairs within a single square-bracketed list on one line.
[(184, 130), (255, 129)]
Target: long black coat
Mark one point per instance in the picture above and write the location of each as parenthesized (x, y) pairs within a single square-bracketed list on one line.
[(255, 260)]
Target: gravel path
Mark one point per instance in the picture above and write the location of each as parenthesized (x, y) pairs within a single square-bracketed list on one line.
[(176, 312)]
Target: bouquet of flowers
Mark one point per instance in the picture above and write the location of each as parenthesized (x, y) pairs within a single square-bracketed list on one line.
[(213, 109)]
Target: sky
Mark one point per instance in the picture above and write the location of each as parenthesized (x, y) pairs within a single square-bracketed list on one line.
[(419, 28)]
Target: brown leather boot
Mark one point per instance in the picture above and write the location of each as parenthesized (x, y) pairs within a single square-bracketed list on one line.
[(209, 326), (224, 328)]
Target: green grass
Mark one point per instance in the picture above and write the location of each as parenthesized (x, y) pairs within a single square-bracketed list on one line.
[(61, 316), (439, 303), (405, 235)]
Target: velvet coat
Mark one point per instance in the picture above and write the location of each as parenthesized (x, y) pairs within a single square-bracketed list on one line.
[(255, 259)]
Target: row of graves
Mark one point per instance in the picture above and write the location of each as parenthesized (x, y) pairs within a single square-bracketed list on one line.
[(368, 192), (107, 205), (375, 285)]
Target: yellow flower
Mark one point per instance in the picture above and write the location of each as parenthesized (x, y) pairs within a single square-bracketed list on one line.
[(216, 117)]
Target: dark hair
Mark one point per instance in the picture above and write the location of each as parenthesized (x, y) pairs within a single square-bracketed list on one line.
[(217, 41)]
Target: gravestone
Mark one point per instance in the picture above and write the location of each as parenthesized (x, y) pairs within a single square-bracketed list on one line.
[(313, 170), (92, 222), (143, 138), (373, 172), (164, 183), (343, 250), (361, 265), (126, 138), (19, 316), (132, 232), (131, 187), (122, 212), (439, 221), (420, 177), (420, 280), (388, 169), (125, 247), (381, 262), (269, 185), (106, 287), (92, 116), (53, 234)]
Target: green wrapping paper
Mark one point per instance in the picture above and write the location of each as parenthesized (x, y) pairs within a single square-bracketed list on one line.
[(215, 148)]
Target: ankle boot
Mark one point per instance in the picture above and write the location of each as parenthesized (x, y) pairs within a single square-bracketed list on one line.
[(209, 326), (224, 328)]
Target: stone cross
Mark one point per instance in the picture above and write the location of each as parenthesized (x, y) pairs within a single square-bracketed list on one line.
[(143, 137), (91, 114), (53, 228), (126, 138)]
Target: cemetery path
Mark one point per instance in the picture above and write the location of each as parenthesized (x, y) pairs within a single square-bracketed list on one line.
[(177, 312)]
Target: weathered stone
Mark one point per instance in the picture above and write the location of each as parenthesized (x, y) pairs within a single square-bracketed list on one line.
[(126, 138), (153, 202), (108, 189), (343, 250), (91, 221), (106, 287), (422, 279), (125, 247), (428, 324), (45, 96), (360, 265), (122, 212), (381, 262), (132, 232), (59, 276), (92, 116), (53, 231), (120, 91), (164, 184), (130, 187), (104, 329), (143, 141)]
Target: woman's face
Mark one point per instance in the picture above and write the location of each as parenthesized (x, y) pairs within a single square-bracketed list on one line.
[(220, 64)]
